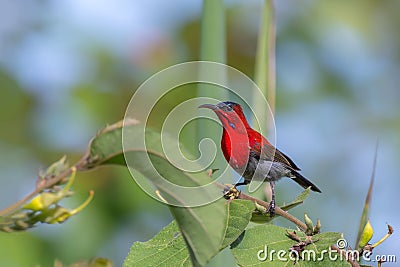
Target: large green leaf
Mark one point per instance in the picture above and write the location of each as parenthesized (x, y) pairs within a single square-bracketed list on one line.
[(239, 215), (167, 248), (273, 240), (202, 227), (106, 146)]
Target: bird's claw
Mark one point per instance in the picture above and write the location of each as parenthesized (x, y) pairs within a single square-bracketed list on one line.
[(231, 193), (271, 209)]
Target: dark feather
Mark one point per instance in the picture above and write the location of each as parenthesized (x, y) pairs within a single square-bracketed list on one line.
[(269, 152), (291, 163), (304, 182)]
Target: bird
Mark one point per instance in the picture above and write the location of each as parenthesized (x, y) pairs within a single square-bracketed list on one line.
[(250, 154)]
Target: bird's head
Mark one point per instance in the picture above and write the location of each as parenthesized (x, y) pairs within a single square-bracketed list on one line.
[(230, 114)]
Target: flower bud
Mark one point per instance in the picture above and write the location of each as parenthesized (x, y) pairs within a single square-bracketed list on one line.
[(60, 214), (317, 227), (308, 222), (366, 235), (42, 201), (45, 199)]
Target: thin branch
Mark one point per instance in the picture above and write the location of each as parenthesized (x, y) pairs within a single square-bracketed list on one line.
[(278, 210), (46, 183), (38, 189), (352, 262)]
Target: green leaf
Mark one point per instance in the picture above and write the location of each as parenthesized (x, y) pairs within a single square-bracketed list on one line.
[(257, 217), (367, 203), (264, 71), (106, 146), (273, 239), (202, 227), (213, 42), (239, 212), (55, 169), (299, 200), (167, 248), (213, 49), (170, 241)]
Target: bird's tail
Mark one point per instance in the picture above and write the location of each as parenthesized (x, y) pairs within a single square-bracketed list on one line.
[(303, 181)]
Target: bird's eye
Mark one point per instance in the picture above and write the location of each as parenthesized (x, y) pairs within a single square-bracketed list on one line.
[(227, 108)]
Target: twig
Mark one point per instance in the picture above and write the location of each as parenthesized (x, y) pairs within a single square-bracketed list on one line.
[(278, 210), (352, 262), (40, 187)]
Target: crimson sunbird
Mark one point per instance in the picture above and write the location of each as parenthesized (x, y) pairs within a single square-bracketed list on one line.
[(250, 154)]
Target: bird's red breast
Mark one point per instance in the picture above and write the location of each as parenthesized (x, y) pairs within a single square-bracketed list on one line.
[(239, 139)]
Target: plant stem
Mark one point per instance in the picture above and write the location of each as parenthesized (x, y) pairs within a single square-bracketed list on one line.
[(265, 70), (15, 206), (278, 210), (43, 184), (352, 262), (212, 48)]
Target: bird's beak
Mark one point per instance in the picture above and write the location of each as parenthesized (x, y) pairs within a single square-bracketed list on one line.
[(213, 107)]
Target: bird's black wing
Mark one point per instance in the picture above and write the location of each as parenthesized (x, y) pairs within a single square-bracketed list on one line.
[(269, 152), (274, 154)]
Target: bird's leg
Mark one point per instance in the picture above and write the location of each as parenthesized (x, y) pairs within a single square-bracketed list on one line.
[(271, 208)]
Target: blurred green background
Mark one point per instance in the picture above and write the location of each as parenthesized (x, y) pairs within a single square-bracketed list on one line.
[(67, 68)]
